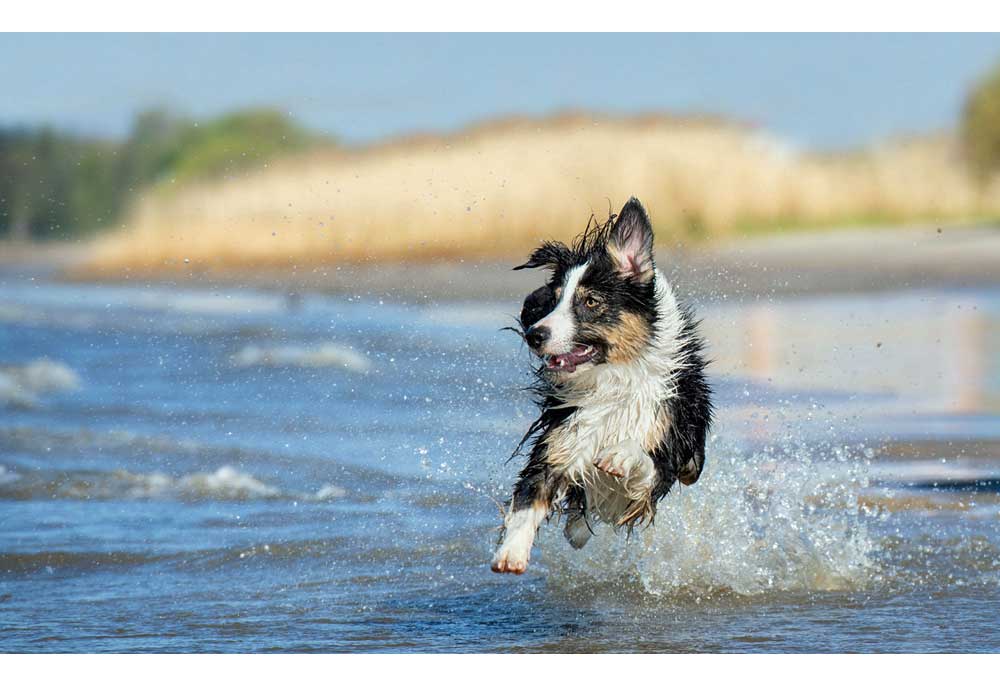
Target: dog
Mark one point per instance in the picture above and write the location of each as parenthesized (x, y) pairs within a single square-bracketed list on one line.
[(625, 403)]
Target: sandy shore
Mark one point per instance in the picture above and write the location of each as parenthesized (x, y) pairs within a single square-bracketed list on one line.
[(810, 262)]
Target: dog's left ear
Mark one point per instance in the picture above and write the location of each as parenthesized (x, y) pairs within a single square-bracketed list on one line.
[(631, 242), (550, 254)]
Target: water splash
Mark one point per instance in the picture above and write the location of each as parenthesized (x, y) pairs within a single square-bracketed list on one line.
[(783, 519)]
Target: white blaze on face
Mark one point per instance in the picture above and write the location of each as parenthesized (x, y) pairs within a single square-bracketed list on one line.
[(561, 321)]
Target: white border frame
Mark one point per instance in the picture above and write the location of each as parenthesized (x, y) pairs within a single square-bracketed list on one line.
[(509, 15)]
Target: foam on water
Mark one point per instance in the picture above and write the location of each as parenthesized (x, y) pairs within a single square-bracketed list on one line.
[(330, 491), (21, 385), (6, 476), (227, 483), (322, 355), (776, 520)]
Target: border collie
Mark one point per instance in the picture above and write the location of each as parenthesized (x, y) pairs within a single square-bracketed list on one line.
[(625, 406)]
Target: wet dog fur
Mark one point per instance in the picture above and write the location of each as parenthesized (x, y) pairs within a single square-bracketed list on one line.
[(625, 404)]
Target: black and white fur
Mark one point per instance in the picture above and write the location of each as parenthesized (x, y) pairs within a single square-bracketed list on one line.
[(625, 406)]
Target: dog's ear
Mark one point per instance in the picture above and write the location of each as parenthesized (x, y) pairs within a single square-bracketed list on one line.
[(631, 242), (549, 254)]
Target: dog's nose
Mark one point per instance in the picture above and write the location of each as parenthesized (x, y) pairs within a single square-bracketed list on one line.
[(536, 336)]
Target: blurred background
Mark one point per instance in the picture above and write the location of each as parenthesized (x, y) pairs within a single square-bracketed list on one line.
[(253, 389), (238, 150)]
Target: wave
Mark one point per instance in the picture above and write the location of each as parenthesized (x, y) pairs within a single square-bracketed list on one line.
[(323, 355), (194, 320), (52, 561), (7, 476), (773, 521), (344, 549), (940, 474), (37, 439), (57, 298), (22, 385), (130, 446), (34, 315), (224, 484), (213, 303)]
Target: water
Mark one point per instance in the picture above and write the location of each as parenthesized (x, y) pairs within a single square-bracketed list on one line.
[(195, 470)]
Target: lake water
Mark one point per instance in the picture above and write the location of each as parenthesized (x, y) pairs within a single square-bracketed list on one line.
[(236, 470)]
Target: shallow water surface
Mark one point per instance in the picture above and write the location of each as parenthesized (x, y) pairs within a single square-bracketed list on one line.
[(197, 470)]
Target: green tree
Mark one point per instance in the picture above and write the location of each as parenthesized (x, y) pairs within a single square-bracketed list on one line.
[(232, 143), (981, 124), (35, 181), (55, 185), (146, 154)]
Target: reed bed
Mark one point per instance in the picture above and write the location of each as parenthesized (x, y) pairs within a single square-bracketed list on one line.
[(497, 190)]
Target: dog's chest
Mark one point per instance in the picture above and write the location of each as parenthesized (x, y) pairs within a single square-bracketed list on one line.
[(610, 416)]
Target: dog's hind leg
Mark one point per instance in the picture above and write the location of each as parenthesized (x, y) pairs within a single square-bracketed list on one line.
[(577, 530)]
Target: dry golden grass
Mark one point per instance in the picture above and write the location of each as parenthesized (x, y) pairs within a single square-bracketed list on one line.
[(496, 190)]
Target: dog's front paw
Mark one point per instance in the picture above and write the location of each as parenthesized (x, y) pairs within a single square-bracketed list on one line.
[(610, 463), (619, 460), (507, 560)]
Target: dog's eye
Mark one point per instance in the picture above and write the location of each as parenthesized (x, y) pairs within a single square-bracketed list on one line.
[(591, 302)]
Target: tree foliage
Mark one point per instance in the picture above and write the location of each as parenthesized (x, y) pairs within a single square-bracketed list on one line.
[(981, 125), (58, 185)]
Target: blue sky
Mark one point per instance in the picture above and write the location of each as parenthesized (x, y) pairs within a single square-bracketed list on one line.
[(813, 90)]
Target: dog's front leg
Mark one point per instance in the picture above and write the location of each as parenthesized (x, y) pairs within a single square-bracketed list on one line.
[(629, 462), (529, 507)]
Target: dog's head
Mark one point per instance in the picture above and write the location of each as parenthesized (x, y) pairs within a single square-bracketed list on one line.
[(599, 306)]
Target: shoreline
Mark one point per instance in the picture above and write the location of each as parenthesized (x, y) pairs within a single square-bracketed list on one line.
[(791, 264)]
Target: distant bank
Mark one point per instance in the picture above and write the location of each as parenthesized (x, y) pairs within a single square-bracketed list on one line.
[(838, 261), (493, 191)]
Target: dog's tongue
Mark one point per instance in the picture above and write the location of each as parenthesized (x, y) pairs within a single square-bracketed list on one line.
[(567, 362), (564, 362)]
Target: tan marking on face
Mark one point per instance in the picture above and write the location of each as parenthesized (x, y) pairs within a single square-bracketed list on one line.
[(627, 338)]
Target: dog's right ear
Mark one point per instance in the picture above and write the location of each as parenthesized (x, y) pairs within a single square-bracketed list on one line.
[(550, 254)]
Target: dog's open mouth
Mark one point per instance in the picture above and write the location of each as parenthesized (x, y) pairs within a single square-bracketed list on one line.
[(568, 362)]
